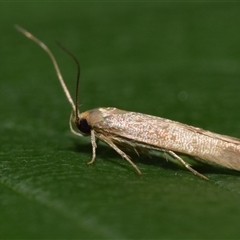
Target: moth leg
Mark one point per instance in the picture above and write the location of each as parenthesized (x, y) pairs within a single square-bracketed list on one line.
[(186, 165), (165, 155), (94, 146), (136, 151), (120, 152)]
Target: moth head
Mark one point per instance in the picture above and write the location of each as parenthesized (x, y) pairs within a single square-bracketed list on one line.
[(88, 120), (83, 125)]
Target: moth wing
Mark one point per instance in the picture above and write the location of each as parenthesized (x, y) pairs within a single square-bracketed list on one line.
[(214, 135)]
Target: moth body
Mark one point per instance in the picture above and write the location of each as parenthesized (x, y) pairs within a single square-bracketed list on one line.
[(137, 130)]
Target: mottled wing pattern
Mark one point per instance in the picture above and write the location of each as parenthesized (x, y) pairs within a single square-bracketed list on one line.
[(141, 130)]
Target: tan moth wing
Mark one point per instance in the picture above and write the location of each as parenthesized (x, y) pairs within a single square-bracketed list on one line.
[(152, 132)]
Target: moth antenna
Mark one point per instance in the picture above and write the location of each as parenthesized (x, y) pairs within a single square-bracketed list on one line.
[(78, 78), (47, 50)]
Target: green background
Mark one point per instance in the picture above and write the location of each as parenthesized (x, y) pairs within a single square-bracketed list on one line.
[(177, 60)]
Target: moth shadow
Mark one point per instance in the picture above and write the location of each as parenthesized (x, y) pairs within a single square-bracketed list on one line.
[(162, 161)]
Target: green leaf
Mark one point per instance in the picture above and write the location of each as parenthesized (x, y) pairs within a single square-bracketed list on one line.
[(175, 60)]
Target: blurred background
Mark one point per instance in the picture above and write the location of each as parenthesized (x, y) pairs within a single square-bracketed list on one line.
[(177, 60)]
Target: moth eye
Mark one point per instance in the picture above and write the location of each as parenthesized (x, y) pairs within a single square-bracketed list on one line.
[(83, 126)]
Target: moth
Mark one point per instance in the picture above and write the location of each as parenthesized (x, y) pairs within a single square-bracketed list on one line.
[(123, 129)]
